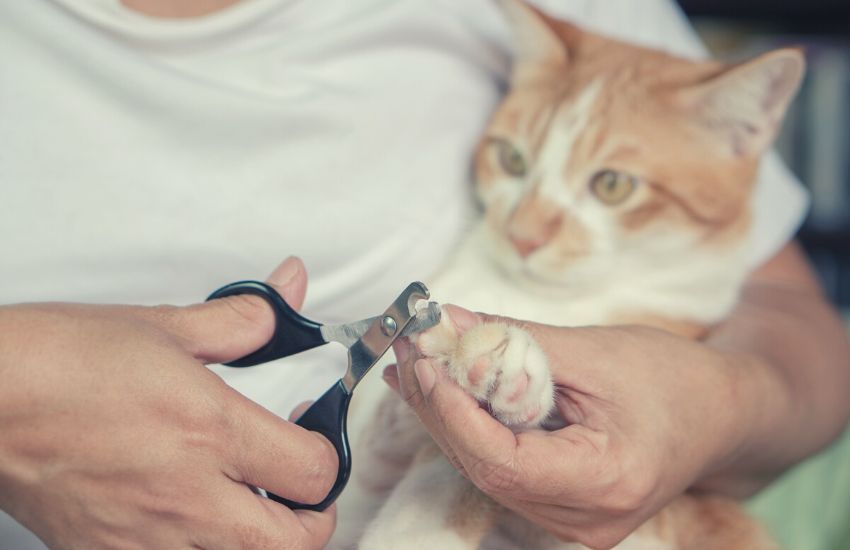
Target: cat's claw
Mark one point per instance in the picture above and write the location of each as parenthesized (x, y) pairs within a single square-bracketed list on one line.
[(498, 364)]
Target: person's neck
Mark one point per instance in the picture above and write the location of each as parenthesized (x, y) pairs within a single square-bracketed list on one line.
[(177, 9)]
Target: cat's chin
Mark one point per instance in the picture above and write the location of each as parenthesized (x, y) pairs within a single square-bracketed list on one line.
[(544, 283), (533, 280)]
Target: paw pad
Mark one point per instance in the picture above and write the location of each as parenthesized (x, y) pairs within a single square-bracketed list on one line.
[(500, 365)]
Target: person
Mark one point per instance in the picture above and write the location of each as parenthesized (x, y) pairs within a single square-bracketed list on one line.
[(153, 150)]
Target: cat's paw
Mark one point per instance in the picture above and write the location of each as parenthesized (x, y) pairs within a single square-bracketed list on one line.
[(498, 364)]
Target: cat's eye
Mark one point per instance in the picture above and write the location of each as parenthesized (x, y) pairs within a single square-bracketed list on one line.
[(511, 159), (612, 187)]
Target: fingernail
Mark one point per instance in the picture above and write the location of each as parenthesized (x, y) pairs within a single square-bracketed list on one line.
[(463, 319), (390, 376), (286, 271), (391, 371), (425, 375)]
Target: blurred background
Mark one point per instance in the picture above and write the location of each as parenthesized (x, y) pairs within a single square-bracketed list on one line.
[(815, 140)]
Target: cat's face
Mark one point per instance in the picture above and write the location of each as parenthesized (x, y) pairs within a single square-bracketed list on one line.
[(605, 154)]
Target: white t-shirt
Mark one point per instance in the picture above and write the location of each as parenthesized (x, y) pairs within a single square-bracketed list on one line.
[(151, 161)]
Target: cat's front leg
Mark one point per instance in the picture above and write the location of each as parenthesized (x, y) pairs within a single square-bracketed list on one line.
[(384, 447), (499, 364), (432, 508)]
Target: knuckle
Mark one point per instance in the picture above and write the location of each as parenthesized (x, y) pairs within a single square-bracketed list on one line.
[(326, 455), (314, 487), (495, 478), (629, 491), (321, 471), (457, 464), (203, 426), (304, 536), (414, 399), (208, 414), (300, 538), (251, 535), (620, 481), (252, 310)]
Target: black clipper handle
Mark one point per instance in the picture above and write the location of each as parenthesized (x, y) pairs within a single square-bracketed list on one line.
[(327, 416), (293, 333)]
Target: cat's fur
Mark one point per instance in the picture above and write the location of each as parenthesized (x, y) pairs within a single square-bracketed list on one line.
[(672, 254)]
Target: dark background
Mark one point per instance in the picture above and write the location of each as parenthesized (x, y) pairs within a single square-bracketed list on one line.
[(791, 13), (815, 140)]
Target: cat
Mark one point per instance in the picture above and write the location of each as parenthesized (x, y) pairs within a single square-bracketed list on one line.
[(615, 183)]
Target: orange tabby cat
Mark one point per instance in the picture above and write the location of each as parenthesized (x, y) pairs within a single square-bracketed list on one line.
[(616, 185)]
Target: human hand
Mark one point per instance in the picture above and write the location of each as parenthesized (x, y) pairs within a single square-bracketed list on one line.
[(114, 434), (648, 414)]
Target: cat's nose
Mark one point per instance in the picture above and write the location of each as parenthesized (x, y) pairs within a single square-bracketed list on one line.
[(525, 247), (531, 233)]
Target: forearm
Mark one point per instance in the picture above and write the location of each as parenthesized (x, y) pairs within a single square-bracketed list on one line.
[(794, 357)]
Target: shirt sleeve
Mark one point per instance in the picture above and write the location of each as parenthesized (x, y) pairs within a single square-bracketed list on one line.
[(779, 201), (779, 206)]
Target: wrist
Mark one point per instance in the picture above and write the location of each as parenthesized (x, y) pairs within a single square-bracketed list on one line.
[(8, 340), (14, 408), (759, 400)]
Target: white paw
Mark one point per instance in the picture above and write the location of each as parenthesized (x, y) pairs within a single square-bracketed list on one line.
[(498, 364)]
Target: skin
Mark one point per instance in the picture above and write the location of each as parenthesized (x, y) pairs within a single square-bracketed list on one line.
[(762, 392), (115, 435), (652, 414)]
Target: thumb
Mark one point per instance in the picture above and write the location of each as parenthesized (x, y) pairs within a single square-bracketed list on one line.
[(299, 409), (290, 280), (463, 319), (577, 355), (469, 436), (226, 329)]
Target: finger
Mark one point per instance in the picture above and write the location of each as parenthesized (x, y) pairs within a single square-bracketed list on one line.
[(390, 376), (463, 319), (412, 375), (278, 456), (299, 410), (408, 388), (577, 349), (415, 382), (225, 329), (402, 378), (290, 280), (319, 525), (561, 467), (479, 442), (493, 457), (247, 520), (401, 373)]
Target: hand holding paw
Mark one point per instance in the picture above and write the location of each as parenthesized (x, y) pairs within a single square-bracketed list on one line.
[(647, 415)]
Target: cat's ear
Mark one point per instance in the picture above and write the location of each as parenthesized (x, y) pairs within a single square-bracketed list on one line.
[(747, 102), (539, 50)]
